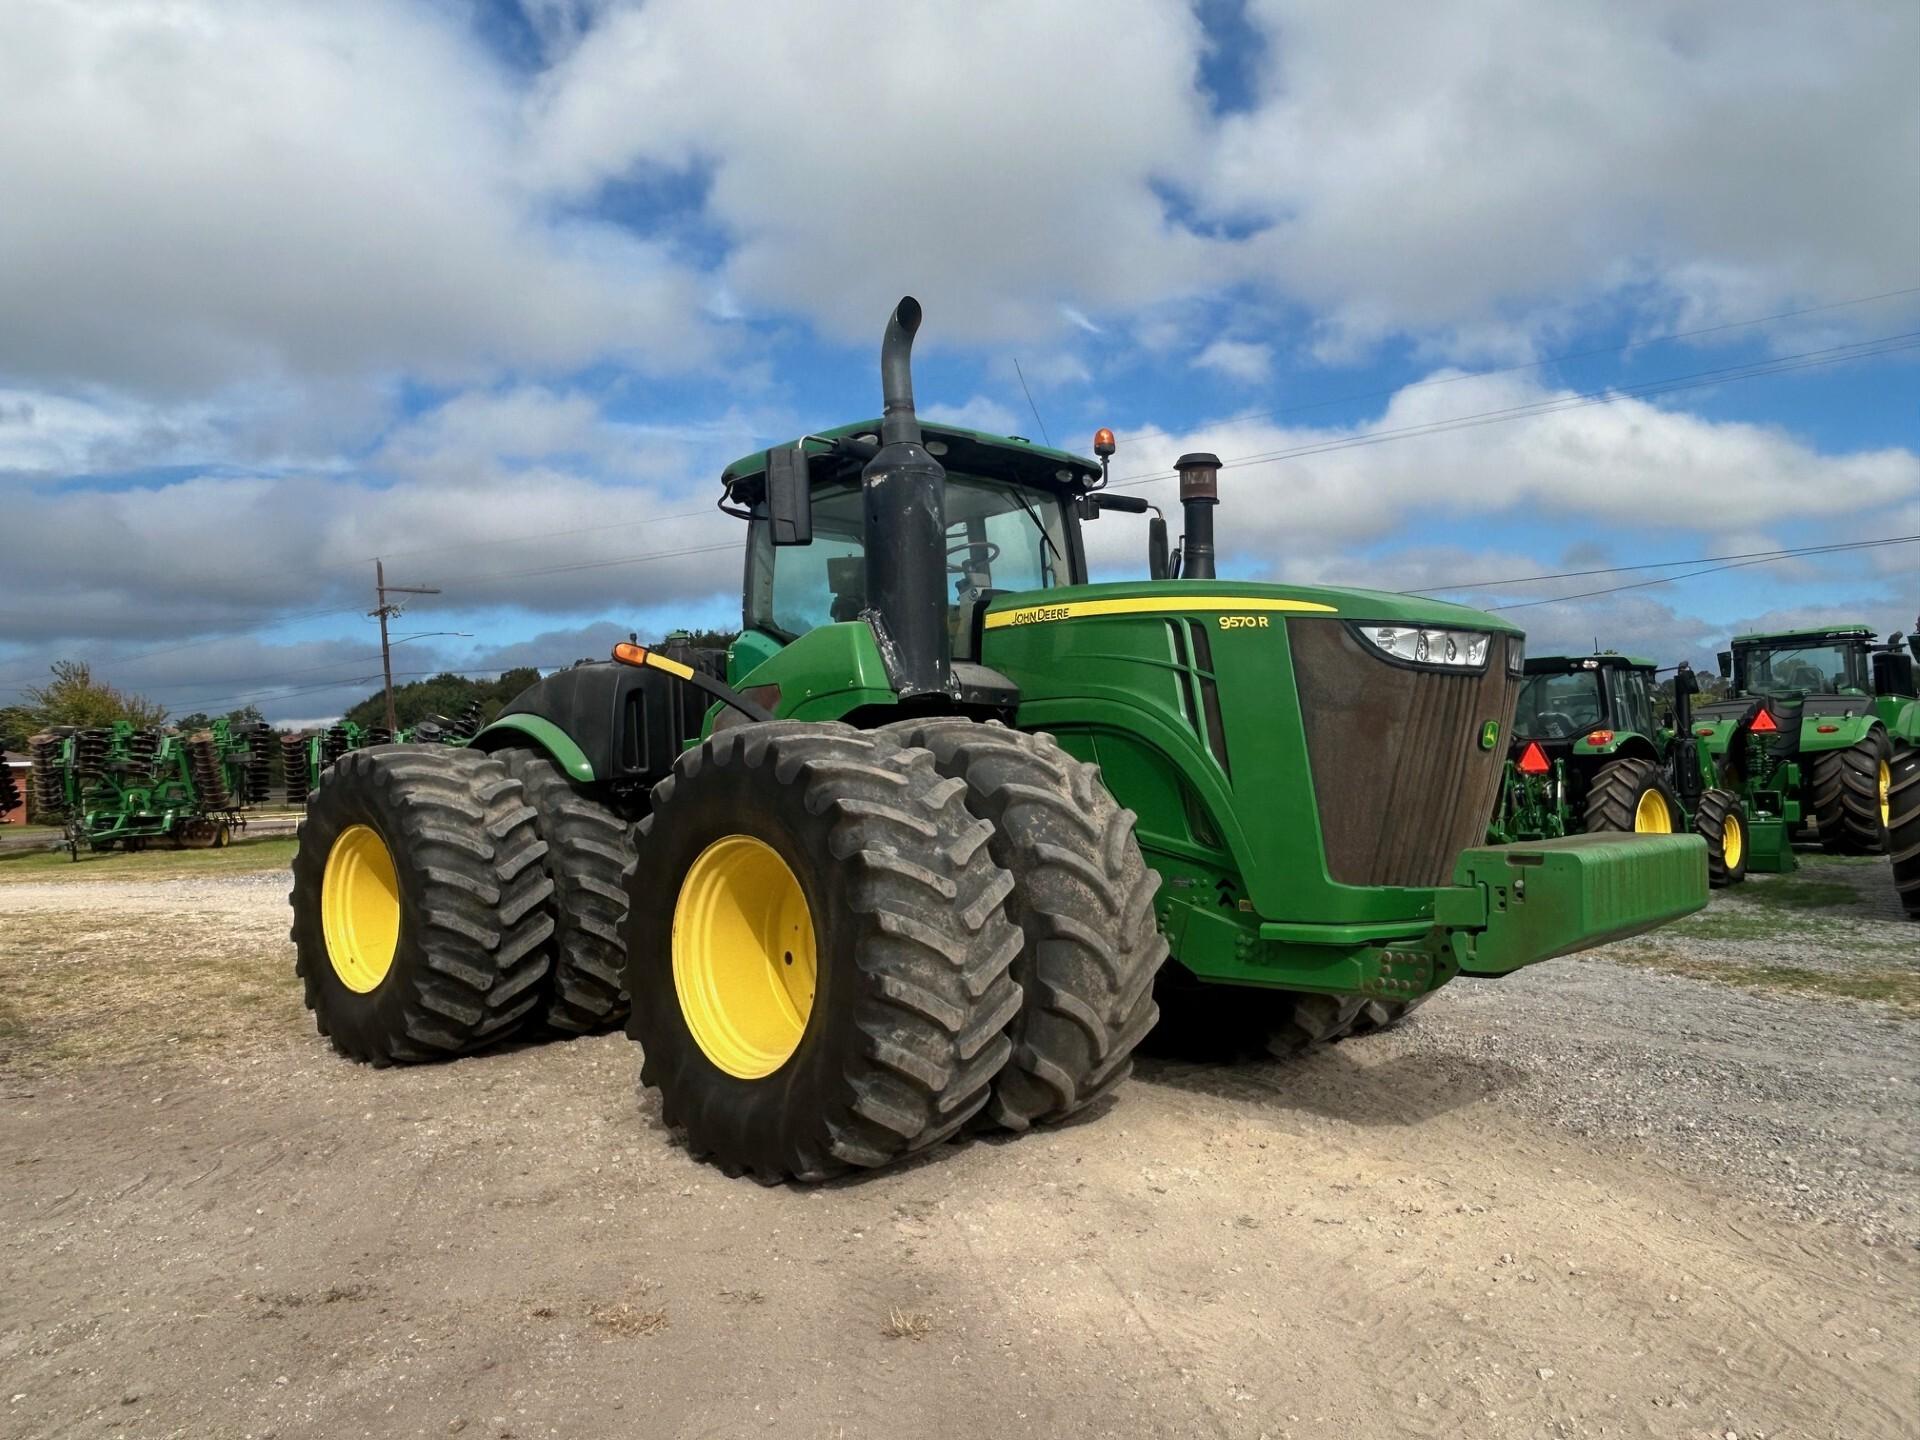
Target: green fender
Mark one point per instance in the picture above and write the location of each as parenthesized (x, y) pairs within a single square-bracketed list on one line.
[(516, 729), (1820, 733)]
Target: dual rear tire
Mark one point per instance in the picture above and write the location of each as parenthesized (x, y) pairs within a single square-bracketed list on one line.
[(846, 945), (1851, 793)]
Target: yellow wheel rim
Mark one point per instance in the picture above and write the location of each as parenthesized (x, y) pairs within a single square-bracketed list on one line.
[(1886, 795), (1651, 816), (360, 908), (1733, 842), (744, 961)]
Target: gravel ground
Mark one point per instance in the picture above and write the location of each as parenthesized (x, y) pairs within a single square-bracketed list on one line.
[(1596, 1199)]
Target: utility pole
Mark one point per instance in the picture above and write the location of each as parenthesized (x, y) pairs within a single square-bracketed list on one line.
[(385, 611)]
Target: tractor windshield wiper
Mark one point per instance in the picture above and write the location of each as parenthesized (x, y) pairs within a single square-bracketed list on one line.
[(1034, 515)]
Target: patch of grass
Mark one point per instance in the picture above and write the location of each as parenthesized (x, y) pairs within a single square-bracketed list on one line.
[(907, 1325), (266, 852), (117, 983), (1887, 985), (1724, 922), (1789, 893)]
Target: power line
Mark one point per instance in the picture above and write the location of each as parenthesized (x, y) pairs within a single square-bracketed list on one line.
[(1155, 431), (1781, 554), (1805, 360), (1704, 570), (1883, 345)]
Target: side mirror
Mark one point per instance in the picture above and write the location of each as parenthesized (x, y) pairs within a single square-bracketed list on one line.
[(790, 496), (1124, 504), (1725, 657), (1157, 566)]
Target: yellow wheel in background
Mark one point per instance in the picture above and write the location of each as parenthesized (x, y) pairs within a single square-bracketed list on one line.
[(744, 957), (360, 908), (1886, 787), (1652, 815), (1733, 842)]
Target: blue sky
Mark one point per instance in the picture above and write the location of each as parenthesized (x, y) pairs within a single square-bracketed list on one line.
[(494, 290)]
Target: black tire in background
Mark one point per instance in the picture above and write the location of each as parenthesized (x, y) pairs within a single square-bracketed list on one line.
[(1845, 785), (589, 859), (1083, 899), (1377, 1015), (905, 1027), (1718, 819), (474, 927), (1903, 829), (1619, 787)]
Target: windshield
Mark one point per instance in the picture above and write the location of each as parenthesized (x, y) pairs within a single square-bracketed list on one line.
[(1558, 707), (1811, 669), (999, 537)]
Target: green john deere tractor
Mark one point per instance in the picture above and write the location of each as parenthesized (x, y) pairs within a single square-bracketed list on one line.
[(913, 852), (1587, 755), (118, 786), (1833, 705)]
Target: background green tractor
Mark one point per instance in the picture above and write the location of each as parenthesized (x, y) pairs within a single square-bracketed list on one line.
[(1588, 755), (912, 853), (121, 786), (1837, 706)]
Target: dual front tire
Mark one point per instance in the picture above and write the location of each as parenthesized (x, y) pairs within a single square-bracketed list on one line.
[(847, 945)]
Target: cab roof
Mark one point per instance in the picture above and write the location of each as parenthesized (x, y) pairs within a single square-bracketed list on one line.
[(971, 452), (1845, 630), (1556, 664)]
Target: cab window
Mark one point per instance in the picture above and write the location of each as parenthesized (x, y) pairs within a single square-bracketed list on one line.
[(1558, 707), (999, 537)]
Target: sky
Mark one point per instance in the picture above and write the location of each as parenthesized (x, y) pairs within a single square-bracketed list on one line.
[(1464, 295)]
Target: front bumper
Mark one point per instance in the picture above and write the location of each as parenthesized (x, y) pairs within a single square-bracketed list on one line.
[(1512, 905), (1508, 906)]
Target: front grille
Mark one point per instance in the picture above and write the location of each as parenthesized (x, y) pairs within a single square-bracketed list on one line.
[(1399, 775)]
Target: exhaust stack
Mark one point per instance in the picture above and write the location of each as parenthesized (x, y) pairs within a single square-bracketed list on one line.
[(1199, 493), (904, 490)]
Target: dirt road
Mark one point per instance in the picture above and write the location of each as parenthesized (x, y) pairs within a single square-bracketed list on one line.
[(211, 1226)]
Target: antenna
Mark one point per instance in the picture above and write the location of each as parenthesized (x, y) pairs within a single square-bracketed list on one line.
[(1030, 405)]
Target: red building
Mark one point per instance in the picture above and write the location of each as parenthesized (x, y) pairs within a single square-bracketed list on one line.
[(22, 771)]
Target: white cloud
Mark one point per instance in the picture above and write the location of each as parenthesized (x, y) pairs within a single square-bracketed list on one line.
[(1628, 464), (856, 152), (979, 413), (1240, 361), (205, 193), (1443, 165)]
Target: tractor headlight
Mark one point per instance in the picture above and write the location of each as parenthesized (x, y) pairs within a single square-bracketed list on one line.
[(1420, 645), (1516, 655)]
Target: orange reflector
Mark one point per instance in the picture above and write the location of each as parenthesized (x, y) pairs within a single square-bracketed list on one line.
[(1828, 729), (1763, 723), (627, 653), (1533, 760), (1705, 732), (1600, 737)]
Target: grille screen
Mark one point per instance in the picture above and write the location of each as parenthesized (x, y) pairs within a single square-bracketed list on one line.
[(1399, 776)]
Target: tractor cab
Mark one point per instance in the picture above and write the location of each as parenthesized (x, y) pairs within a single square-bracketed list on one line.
[(1597, 704), (1009, 523), (1800, 664)]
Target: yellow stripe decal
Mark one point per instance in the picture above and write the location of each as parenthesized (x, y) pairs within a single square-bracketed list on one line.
[(672, 667), (1150, 605)]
